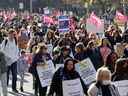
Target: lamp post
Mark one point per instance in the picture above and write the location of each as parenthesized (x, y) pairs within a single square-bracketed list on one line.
[(31, 6)]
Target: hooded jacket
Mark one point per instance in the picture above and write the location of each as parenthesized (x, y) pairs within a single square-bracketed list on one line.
[(60, 75)]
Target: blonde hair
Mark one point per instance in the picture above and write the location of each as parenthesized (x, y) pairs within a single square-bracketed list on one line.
[(103, 71)]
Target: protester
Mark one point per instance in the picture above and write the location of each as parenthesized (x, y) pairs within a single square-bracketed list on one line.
[(111, 60), (50, 37), (65, 53), (22, 67), (103, 85), (105, 49), (126, 52), (27, 31), (66, 73), (3, 74), (94, 54), (40, 58), (12, 57), (80, 54), (121, 70)]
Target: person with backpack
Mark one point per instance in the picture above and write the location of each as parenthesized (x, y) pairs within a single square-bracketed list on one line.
[(103, 85), (10, 49)]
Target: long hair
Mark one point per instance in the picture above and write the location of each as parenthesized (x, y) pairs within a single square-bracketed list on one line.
[(107, 42)]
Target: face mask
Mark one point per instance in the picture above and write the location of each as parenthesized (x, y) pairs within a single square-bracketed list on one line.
[(106, 82)]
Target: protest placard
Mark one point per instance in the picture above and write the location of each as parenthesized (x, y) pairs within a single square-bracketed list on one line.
[(122, 87), (59, 65), (50, 48), (63, 23), (72, 88), (45, 72), (95, 27), (86, 71)]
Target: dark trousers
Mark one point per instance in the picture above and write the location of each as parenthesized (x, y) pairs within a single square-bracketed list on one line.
[(38, 87), (13, 69)]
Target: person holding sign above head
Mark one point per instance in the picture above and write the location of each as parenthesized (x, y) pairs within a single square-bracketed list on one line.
[(67, 82), (40, 59), (103, 85)]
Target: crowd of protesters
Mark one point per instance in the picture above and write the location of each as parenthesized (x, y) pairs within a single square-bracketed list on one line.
[(30, 37)]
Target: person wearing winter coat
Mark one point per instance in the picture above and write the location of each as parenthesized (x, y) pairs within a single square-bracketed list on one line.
[(3, 74), (80, 54), (103, 85), (94, 54), (39, 58), (111, 60), (65, 73), (121, 70)]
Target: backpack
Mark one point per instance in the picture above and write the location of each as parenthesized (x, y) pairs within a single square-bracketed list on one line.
[(6, 41)]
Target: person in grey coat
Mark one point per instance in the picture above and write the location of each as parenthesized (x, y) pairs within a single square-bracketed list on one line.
[(3, 74), (103, 85)]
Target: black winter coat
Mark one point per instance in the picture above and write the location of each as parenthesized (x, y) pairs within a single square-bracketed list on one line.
[(59, 76)]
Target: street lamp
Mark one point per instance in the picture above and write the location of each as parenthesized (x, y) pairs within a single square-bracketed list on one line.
[(31, 6)]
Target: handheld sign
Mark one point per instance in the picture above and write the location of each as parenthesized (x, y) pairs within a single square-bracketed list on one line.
[(63, 23), (122, 87), (45, 72), (59, 66), (86, 71), (50, 48), (72, 88)]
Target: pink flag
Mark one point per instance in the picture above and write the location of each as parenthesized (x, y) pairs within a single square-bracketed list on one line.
[(47, 19), (120, 17), (95, 20)]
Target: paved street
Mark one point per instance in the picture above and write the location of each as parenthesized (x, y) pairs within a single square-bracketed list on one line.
[(28, 91)]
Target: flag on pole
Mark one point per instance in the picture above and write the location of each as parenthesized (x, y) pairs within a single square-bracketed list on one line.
[(95, 20)]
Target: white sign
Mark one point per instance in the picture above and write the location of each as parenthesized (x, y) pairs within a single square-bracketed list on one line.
[(21, 5), (122, 87), (45, 72), (72, 88), (50, 49), (93, 28), (59, 66), (86, 71), (46, 11)]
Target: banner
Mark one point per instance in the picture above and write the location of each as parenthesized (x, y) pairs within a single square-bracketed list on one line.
[(72, 88), (94, 27), (122, 87), (63, 23), (45, 72), (86, 71)]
